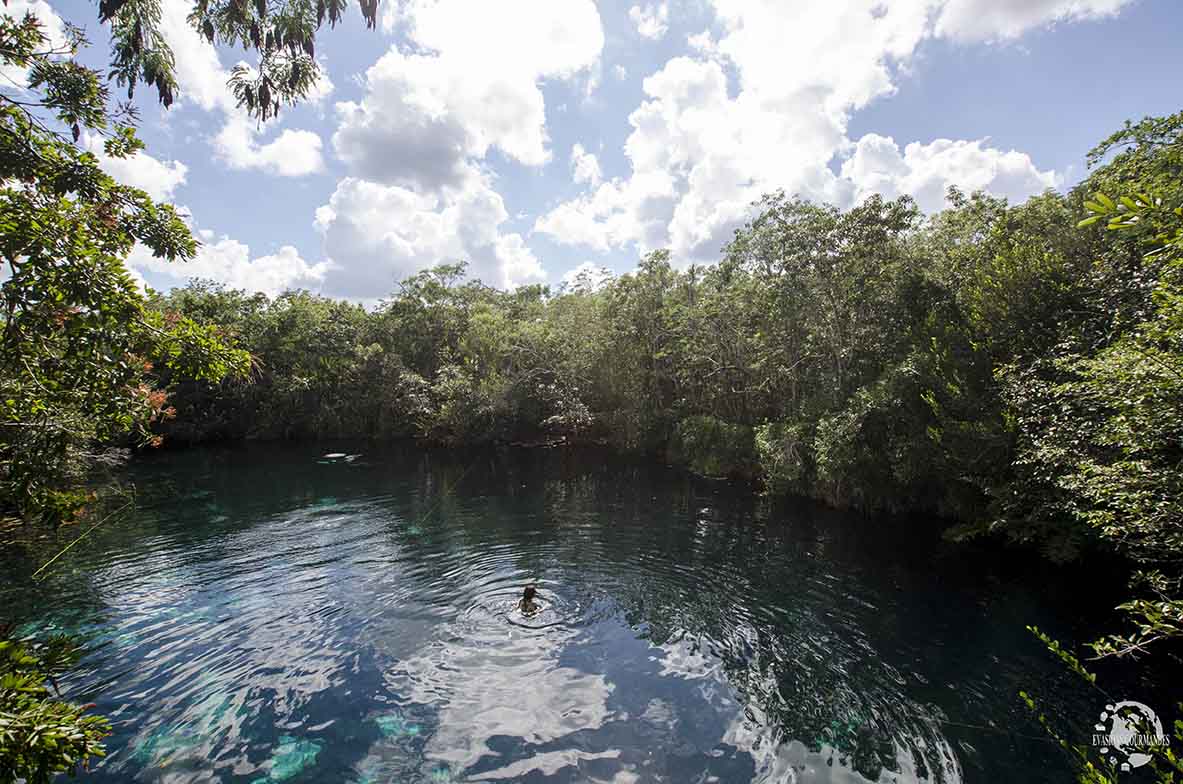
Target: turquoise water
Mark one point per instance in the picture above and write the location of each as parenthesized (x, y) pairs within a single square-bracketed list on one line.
[(267, 615)]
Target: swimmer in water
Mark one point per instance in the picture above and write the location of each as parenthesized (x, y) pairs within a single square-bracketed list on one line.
[(527, 604)]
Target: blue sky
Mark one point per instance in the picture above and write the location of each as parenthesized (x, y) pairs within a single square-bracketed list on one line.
[(531, 137)]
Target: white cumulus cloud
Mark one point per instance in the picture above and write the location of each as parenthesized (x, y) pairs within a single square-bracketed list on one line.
[(981, 20), (623, 210), (230, 261), (159, 179), (293, 153), (652, 21), (925, 171), (199, 71), (699, 158), (418, 193), (764, 103), (423, 118), (376, 235), (585, 167), (470, 87)]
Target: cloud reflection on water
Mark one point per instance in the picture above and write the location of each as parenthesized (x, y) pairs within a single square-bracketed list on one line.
[(368, 613)]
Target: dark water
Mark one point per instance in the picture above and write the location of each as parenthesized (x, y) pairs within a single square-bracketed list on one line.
[(266, 617)]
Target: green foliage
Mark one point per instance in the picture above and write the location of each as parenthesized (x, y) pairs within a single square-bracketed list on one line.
[(77, 343), (464, 407), (281, 32), (41, 735), (1142, 156), (1070, 661), (785, 455), (712, 447), (1103, 425), (865, 453), (1087, 761)]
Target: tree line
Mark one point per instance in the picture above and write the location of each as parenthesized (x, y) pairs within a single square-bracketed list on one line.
[(1000, 365)]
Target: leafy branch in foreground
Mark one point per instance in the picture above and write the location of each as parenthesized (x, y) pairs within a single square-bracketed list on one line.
[(282, 33), (41, 735), (1123, 479), (1128, 483), (77, 345), (1090, 764)]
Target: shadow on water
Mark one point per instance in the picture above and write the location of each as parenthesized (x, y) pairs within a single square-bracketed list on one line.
[(268, 615)]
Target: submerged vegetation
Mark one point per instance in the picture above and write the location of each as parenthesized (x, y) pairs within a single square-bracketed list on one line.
[(41, 734), (1017, 369)]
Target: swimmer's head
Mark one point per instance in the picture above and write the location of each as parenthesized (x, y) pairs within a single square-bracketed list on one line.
[(528, 594)]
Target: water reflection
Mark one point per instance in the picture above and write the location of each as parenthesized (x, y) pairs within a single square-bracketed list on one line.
[(272, 616)]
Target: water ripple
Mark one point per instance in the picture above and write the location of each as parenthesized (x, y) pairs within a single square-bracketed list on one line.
[(360, 624)]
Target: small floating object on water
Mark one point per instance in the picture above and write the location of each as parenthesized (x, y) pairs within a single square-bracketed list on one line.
[(290, 758), (334, 455)]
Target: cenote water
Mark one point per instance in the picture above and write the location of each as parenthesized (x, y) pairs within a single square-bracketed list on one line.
[(266, 615)]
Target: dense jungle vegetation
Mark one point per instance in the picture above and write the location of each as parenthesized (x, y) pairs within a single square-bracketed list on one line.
[(996, 364), (1017, 369)]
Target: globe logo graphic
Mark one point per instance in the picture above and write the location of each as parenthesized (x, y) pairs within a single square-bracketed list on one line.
[(1125, 731)]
